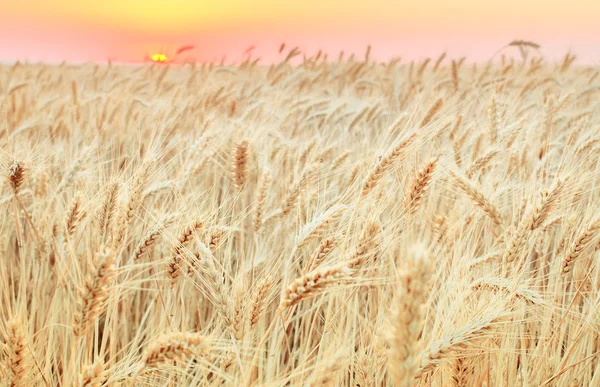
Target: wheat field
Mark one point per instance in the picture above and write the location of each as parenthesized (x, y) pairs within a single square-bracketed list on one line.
[(335, 222)]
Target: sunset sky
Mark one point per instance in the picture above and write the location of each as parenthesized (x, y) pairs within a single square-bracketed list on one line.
[(128, 30)]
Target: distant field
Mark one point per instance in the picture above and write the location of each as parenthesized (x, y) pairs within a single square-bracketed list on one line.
[(343, 223)]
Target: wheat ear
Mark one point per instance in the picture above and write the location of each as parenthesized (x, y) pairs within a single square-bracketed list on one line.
[(259, 300), (17, 355), (261, 196), (321, 253), (419, 186), (457, 341), (16, 176), (474, 194), (108, 209), (585, 239), (173, 268), (406, 323), (172, 347), (384, 165), (93, 375), (312, 283), (94, 292), (239, 161)]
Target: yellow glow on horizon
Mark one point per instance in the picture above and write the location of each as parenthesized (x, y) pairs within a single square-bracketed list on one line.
[(160, 16)]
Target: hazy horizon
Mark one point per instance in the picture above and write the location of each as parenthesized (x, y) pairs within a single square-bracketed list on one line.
[(129, 30)]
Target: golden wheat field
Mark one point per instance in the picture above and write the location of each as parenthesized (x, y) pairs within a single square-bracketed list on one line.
[(329, 223)]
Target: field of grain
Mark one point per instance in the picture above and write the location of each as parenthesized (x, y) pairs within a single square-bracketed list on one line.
[(332, 223)]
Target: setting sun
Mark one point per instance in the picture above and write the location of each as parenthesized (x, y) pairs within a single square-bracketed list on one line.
[(159, 58)]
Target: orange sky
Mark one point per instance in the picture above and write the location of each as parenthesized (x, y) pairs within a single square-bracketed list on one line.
[(127, 30)]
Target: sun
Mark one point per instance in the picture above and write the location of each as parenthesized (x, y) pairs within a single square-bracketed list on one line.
[(160, 58)]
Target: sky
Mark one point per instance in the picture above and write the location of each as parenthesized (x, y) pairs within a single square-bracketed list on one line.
[(130, 30)]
